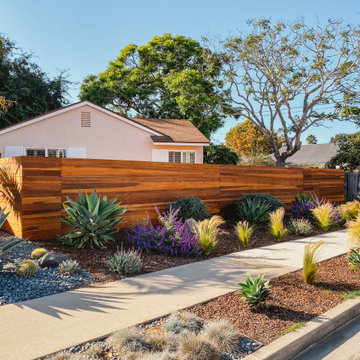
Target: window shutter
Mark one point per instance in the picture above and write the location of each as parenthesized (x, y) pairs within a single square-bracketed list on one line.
[(79, 153), (12, 151), (160, 155)]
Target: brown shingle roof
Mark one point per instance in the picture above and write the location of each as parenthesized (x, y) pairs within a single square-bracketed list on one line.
[(179, 130)]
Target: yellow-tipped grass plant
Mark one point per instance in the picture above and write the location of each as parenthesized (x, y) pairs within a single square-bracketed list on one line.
[(207, 232), (310, 267), (244, 232), (277, 227), (350, 210), (323, 215), (353, 231)]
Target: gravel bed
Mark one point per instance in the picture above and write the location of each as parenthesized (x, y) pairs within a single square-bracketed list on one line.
[(47, 281)]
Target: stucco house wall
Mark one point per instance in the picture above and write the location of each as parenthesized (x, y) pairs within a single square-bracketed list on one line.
[(106, 138)]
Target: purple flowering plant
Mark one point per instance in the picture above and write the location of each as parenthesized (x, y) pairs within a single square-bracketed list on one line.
[(171, 236)]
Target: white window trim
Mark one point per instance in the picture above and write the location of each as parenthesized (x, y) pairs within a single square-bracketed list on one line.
[(183, 151), (46, 150)]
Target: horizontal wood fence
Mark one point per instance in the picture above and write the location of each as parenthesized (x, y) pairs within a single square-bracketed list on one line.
[(37, 187)]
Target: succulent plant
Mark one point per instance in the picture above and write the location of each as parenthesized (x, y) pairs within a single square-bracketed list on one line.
[(9, 245), (38, 253), (3, 217), (125, 262), (27, 268), (69, 267)]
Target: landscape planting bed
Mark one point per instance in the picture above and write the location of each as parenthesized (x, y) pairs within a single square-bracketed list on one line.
[(94, 260)]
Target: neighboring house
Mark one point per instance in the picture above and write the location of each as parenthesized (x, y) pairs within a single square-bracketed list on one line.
[(86, 130), (314, 155)]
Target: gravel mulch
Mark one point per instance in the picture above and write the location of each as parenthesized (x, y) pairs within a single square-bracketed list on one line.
[(94, 261), (292, 301), (47, 281)]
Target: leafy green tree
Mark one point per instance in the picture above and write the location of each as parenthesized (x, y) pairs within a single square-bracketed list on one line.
[(219, 154), (25, 85), (170, 77), (311, 139), (348, 155), (294, 76)]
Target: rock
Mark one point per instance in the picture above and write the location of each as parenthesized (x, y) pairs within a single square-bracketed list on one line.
[(191, 223), (52, 259)]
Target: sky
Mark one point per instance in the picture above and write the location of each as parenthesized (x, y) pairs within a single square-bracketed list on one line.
[(82, 36)]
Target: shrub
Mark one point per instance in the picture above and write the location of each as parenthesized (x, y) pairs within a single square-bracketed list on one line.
[(125, 262), (277, 227), (183, 322), (223, 335), (254, 211), (354, 259), (69, 267), (310, 267), (258, 160), (3, 217), (27, 268), (243, 232), (324, 215), (272, 201), (300, 227), (197, 348), (129, 339), (350, 210), (255, 292), (302, 206), (190, 208), (175, 238), (38, 253), (157, 341), (93, 219), (207, 232), (353, 232)]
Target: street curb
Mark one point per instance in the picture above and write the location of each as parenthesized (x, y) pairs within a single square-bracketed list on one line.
[(292, 344)]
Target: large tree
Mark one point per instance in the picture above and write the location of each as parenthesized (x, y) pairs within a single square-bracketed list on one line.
[(22, 83), (219, 154), (170, 77), (247, 139), (294, 77)]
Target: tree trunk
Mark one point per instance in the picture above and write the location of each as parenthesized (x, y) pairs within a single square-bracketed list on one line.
[(280, 162)]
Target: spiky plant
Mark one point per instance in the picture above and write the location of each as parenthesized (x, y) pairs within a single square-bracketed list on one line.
[(27, 268), (3, 217), (255, 292), (183, 322), (129, 339), (254, 210), (324, 215), (353, 231), (349, 210), (93, 219), (243, 232), (69, 267), (310, 267), (300, 227), (8, 245), (198, 348), (354, 259), (125, 262), (37, 253), (207, 232), (277, 227)]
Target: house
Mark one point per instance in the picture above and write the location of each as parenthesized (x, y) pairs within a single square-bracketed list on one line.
[(86, 130), (314, 155)]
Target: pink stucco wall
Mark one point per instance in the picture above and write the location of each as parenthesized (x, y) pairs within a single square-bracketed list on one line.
[(107, 138)]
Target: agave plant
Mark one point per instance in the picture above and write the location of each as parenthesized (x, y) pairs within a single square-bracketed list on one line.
[(9, 245), (93, 219), (3, 217), (255, 292)]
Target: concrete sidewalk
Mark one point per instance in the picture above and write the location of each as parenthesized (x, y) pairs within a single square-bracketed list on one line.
[(41, 326)]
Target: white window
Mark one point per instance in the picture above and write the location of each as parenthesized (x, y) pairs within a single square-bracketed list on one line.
[(47, 152), (182, 157)]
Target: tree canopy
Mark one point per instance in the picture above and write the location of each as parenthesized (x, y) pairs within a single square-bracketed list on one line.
[(348, 155), (26, 87), (247, 139), (219, 154), (170, 77), (293, 77), (311, 139)]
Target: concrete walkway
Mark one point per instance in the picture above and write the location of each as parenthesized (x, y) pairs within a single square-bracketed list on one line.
[(41, 326)]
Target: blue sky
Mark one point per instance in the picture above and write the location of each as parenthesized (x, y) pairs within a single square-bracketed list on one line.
[(82, 36)]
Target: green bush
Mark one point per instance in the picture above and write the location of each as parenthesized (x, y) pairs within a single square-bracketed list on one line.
[(27, 268), (254, 211), (272, 201), (255, 292), (93, 219), (125, 262), (190, 208)]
